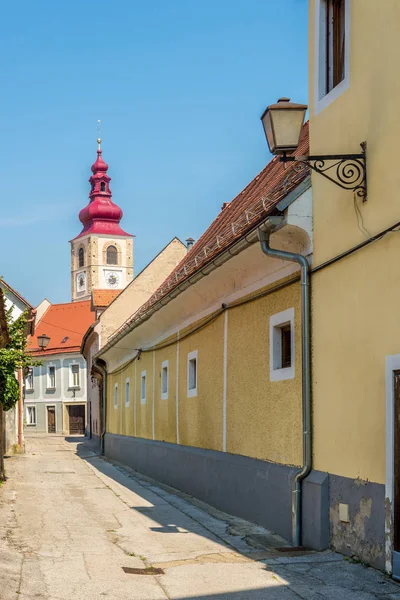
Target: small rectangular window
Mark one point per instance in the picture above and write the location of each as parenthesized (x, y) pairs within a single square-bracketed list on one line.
[(286, 346), (192, 374), (334, 43), (116, 395), (51, 378), (29, 381), (282, 345), (164, 380), (75, 376), (127, 391), (31, 415), (143, 388)]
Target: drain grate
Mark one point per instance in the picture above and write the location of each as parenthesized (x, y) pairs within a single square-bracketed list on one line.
[(144, 571), (292, 549)]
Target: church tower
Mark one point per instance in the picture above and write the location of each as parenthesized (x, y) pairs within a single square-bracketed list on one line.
[(102, 254)]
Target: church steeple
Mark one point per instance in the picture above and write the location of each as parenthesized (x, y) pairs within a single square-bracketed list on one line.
[(101, 215), (102, 253)]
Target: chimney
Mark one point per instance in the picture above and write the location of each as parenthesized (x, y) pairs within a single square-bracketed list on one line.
[(189, 243)]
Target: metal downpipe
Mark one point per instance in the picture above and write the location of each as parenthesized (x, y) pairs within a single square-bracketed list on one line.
[(306, 372)]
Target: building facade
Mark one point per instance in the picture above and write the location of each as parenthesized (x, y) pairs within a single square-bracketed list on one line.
[(55, 392), (102, 254), (16, 305), (111, 312), (356, 331), (204, 380)]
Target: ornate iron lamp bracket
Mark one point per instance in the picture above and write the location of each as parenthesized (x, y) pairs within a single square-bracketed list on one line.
[(348, 171)]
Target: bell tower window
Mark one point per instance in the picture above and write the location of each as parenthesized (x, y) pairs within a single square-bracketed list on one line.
[(81, 257), (112, 255), (102, 186)]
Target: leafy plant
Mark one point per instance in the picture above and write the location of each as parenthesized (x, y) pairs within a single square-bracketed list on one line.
[(13, 357)]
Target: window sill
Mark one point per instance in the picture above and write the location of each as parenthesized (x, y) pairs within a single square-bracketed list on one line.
[(74, 387), (31, 424), (29, 391), (164, 396), (142, 400), (51, 389), (282, 374), (192, 393)]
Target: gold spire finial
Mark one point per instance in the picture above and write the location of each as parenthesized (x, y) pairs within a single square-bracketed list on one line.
[(98, 130)]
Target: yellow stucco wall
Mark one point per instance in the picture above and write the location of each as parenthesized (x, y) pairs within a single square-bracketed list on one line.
[(200, 417), (165, 410), (355, 302), (263, 417)]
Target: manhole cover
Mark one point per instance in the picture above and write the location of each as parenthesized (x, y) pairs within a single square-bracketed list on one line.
[(144, 571), (292, 549)]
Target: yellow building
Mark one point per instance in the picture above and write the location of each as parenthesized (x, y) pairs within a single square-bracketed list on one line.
[(204, 380), (356, 330)]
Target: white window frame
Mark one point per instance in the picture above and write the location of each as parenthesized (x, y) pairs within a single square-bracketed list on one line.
[(71, 377), (276, 322), (49, 383), (321, 99), (164, 368), (115, 395), (29, 381), (28, 406), (143, 377), (127, 389), (191, 392)]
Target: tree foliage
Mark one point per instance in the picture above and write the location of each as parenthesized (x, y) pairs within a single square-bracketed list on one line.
[(13, 357)]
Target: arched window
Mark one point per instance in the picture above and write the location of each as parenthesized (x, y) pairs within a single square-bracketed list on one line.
[(112, 255), (81, 257), (102, 186)]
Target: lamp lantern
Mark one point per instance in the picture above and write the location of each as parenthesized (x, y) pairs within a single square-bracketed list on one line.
[(282, 124), (43, 341)]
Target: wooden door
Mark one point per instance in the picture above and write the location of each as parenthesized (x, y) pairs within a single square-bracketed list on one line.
[(51, 419), (76, 419)]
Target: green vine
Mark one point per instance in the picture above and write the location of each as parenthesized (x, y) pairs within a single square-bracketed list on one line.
[(13, 357)]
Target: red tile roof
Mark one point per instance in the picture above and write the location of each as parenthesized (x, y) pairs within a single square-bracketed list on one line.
[(65, 324), (102, 298), (236, 219)]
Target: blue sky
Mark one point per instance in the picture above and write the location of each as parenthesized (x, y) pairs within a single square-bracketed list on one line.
[(179, 86)]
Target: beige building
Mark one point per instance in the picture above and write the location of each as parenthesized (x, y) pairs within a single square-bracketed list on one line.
[(112, 309)]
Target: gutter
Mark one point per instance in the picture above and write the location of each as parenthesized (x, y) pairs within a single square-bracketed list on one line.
[(235, 248), (273, 224), (100, 366)]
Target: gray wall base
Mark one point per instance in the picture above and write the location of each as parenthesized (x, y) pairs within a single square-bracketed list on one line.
[(315, 514), (252, 489), (364, 534)]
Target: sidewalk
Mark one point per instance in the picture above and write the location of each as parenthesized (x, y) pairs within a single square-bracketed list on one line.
[(76, 527)]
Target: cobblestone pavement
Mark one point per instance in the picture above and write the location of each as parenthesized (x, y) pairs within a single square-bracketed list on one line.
[(73, 526)]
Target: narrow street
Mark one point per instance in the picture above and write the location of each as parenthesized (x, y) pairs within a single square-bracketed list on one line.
[(73, 524)]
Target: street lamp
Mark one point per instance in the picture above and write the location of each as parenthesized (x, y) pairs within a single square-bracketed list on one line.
[(43, 341), (283, 123)]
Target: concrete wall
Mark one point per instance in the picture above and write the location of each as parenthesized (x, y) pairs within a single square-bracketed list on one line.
[(252, 489)]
